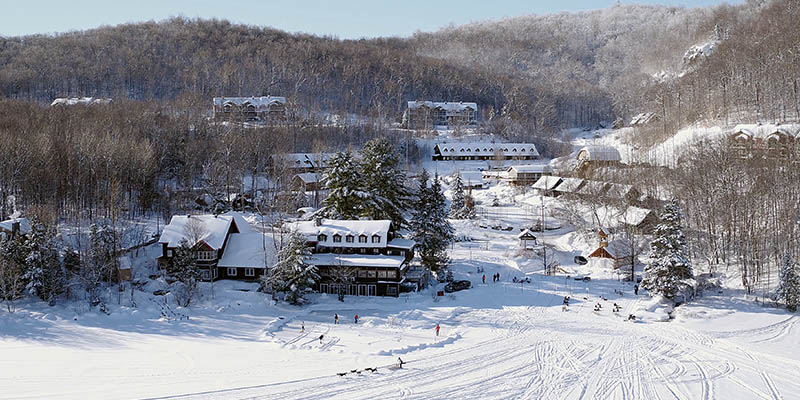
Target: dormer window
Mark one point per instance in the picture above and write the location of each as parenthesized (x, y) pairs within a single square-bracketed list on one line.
[(376, 238), (337, 238), (362, 239), (322, 237), (350, 238)]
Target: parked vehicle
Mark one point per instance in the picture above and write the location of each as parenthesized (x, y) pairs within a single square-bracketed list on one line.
[(455, 286)]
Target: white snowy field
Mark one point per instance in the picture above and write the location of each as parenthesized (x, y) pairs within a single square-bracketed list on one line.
[(498, 340)]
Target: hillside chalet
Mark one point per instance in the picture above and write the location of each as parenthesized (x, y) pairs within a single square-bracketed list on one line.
[(617, 251), (449, 115), (265, 108), (598, 156), (484, 151), (767, 141), (226, 246), (527, 174), (357, 258)]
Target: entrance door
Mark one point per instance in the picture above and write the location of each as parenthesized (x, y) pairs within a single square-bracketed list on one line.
[(323, 288), (372, 290), (351, 290), (362, 290)]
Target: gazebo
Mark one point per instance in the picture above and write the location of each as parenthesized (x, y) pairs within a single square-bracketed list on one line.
[(527, 239)]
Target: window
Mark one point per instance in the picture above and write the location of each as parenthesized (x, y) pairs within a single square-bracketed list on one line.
[(376, 238), (231, 271), (216, 273), (249, 272), (337, 238), (391, 291), (371, 273), (169, 253), (362, 273), (204, 255), (391, 274), (350, 238), (363, 251), (362, 239), (205, 274), (381, 274), (376, 251), (322, 238), (403, 253)]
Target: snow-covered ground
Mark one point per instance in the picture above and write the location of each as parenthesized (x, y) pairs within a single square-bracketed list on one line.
[(498, 340)]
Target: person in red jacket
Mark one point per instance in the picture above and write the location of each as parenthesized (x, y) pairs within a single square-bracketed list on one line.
[(437, 329), (355, 319), (484, 278)]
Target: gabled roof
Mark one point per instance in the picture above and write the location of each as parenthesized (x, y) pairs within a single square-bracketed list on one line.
[(547, 182), (766, 131), (247, 250), (618, 190), (71, 101), (635, 215), (24, 225), (643, 118), (486, 149), (308, 177), (331, 227), (446, 105), (400, 243), (216, 227), (569, 185), (526, 234), (616, 249), (599, 153), (260, 103), (471, 177)]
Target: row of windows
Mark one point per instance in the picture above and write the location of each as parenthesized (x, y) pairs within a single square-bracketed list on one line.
[(371, 273), (350, 250), (513, 150), (337, 238), (247, 271), (205, 255)]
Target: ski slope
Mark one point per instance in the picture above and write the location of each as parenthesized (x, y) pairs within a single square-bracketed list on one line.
[(498, 339)]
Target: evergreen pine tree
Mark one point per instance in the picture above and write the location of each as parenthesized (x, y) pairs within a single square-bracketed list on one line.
[(384, 183), (186, 271), (789, 286), (430, 227), (669, 271), (343, 180), (292, 274), (457, 204), (44, 274)]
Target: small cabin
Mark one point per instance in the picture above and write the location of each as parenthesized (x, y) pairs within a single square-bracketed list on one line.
[(616, 250), (527, 174), (527, 240)]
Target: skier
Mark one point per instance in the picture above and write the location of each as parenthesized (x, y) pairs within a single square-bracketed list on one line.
[(335, 318), (320, 338), (355, 319), (302, 326), (400, 362), (636, 289), (484, 278), (437, 329), (498, 277)]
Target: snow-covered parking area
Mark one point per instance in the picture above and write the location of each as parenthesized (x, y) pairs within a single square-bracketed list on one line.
[(498, 340)]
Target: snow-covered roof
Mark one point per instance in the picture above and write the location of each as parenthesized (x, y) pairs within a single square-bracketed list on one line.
[(547, 182), (241, 223), (526, 234), (71, 101), (24, 225), (618, 249), (531, 168), (356, 228), (356, 260), (643, 118), (308, 177), (593, 188), (246, 250), (216, 227), (569, 185), (401, 243), (486, 149), (260, 103), (445, 105), (599, 153), (766, 131), (635, 215), (471, 177)]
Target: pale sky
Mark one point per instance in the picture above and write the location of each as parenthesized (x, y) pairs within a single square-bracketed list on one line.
[(346, 19)]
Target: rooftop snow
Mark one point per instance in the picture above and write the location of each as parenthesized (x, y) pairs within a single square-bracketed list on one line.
[(247, 250), (445, 105), (71, 101), (331, 227), (618, 190), (547, 182), (308, 177), (400, 243), (635, 215), (216, 228), (305, 160), (258, 102), (24, 225), (471, 177), (765, 131), (593, 188), (486, 149), (531, 168), (356, 260), (643, 118), (569, 185), (599, 153)]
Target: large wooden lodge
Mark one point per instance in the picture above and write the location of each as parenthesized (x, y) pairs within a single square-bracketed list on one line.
[(449, 115), (271, 109), (469, 151)]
